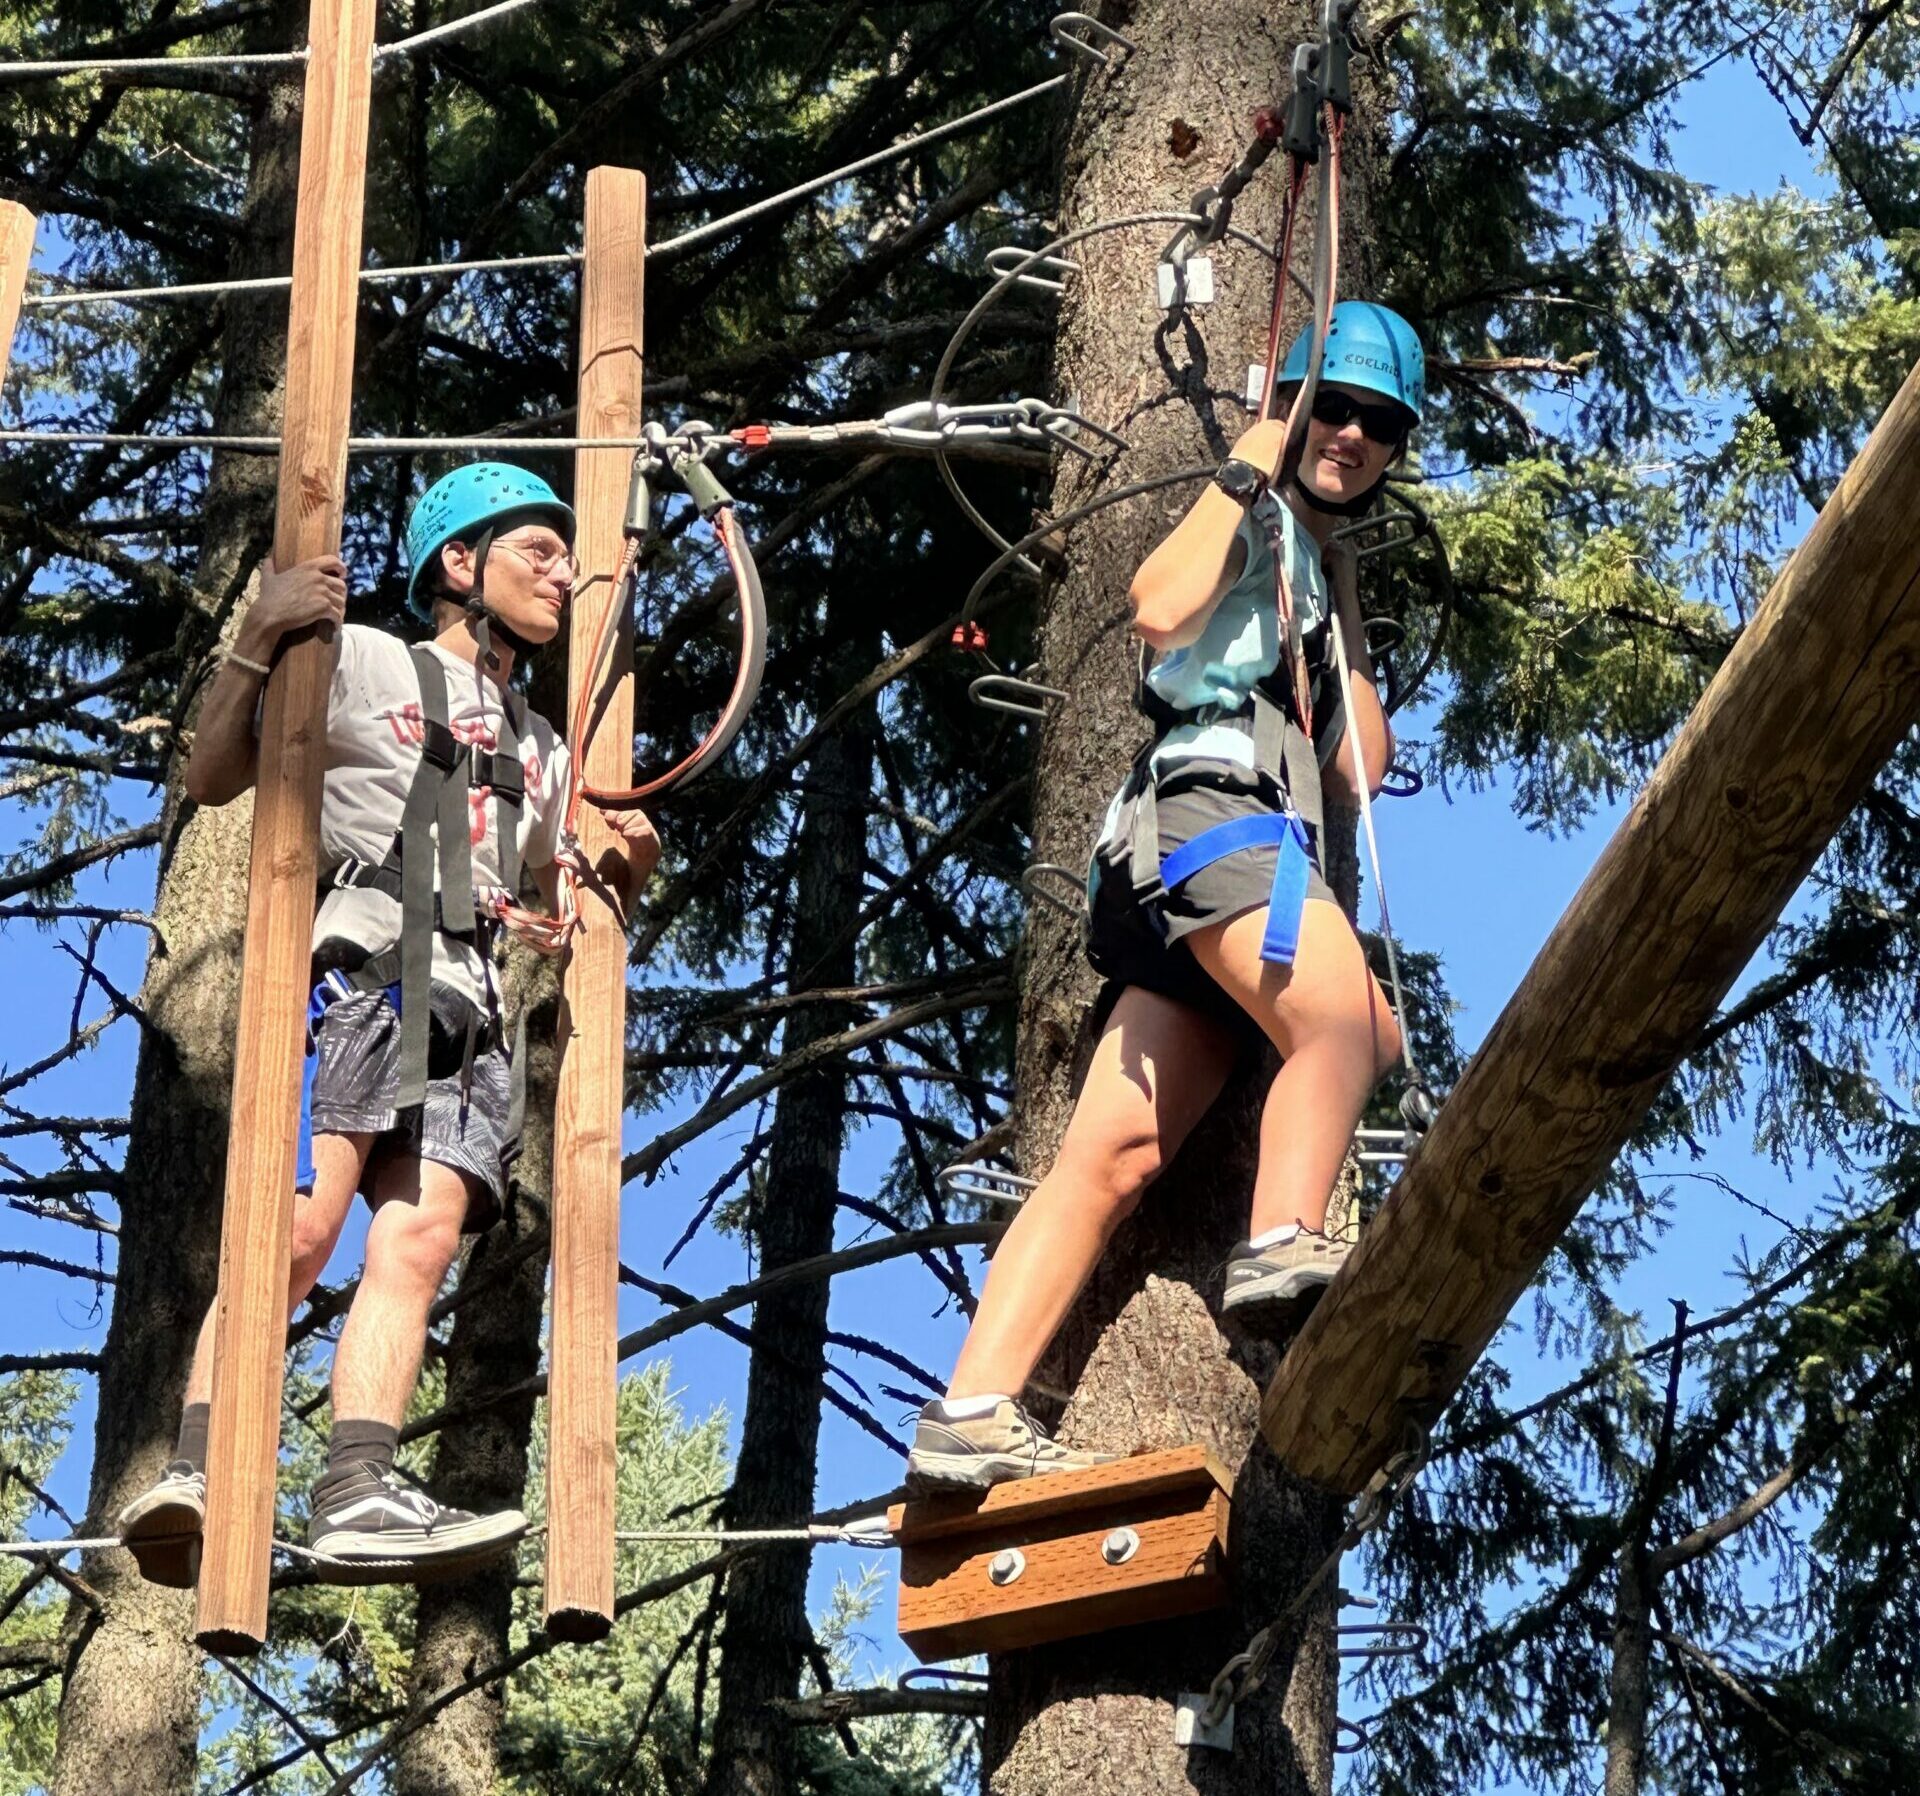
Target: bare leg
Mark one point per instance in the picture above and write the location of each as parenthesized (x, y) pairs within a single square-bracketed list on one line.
[(318, 1218), (1336, 1033), (418, 1209), (1156, 1068)]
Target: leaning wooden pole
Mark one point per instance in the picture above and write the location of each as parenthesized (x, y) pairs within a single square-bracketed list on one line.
[(16, 253), (251, 1330), (586, 1138), (1820, 690)]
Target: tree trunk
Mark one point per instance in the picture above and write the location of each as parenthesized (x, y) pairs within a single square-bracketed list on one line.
[(1628, 1685), (1143, 1357), (767, 1631), (481, 1461), (129, 1714)]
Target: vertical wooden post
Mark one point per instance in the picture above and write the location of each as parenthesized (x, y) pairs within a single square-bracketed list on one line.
[(16, 251), (583, 1365), (251, 1330)]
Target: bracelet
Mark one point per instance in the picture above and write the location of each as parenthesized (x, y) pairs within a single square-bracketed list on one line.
[(252, 667)]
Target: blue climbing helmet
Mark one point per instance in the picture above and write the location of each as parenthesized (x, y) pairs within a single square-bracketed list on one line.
[(1370, 347), (460, 503)]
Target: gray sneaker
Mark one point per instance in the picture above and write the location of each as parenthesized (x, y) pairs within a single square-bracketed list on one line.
[(1284, 1271), (987, 1450), (161, 1527)]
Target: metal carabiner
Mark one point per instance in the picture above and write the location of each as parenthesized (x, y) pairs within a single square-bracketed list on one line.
[(1062, 29)]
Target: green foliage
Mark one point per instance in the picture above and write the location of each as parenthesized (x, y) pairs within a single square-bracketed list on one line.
[(34, 1427)]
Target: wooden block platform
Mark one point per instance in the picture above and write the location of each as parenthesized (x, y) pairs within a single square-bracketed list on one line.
[(1176, 1505)]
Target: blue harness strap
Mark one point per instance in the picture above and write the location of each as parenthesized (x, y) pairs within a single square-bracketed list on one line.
[(1269, 829)]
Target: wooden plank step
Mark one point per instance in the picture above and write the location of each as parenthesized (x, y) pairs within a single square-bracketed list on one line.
[(1049, 1558)]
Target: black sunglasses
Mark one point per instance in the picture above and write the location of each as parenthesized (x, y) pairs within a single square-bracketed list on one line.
[(1383, 423)]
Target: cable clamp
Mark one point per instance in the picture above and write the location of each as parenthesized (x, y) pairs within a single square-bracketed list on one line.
[(1074, 31), (970, 636)]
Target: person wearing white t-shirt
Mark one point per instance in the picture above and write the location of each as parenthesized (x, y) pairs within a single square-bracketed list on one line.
[(426, 1126)]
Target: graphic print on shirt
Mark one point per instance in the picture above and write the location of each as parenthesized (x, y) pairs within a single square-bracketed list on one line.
[(409, 726)]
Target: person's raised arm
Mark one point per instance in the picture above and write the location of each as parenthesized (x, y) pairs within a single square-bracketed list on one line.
[(1366, 716), (1179, 584), (225, 756)]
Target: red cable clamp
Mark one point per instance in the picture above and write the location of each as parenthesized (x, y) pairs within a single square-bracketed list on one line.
[(971, 637), (753, 436)]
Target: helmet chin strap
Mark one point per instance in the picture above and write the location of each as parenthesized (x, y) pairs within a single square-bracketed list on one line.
[(1348, 508), (484, 624), (1341, 508)]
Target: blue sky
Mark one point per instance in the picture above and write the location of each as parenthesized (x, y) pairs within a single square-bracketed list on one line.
[(1467, 879)]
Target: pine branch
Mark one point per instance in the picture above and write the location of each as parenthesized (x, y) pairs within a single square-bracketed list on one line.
[(11, 1363), (642, 1340), (64, 866), (838, 1706), (805, 1059), (1813, 1447)]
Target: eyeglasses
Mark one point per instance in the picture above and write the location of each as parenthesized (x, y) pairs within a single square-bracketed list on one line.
[(1381, 423), (542, 556)]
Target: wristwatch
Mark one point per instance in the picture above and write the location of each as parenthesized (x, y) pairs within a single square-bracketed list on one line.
[(1241, 481)]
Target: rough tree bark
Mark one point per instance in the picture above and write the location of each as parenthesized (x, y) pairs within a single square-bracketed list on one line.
[(481, 1460), (767, 1631), (1143, 1363), (129, 1713)]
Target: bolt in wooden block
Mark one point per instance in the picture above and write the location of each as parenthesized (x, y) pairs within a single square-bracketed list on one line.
[(1043, 1559)]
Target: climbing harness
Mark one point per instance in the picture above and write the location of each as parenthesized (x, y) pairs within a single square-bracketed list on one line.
[(1246, 1671), (437, 811)]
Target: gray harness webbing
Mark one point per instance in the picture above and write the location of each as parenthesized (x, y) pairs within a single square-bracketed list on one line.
[(437, 811)]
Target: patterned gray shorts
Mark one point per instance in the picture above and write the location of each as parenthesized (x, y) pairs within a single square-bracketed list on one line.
[(354, 1078)]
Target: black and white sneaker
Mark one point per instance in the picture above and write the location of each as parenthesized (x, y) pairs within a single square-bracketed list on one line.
[(161, 1527), (373, 1529)]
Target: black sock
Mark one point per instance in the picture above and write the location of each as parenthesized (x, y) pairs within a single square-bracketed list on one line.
[(359, 1447), (190, 1449)]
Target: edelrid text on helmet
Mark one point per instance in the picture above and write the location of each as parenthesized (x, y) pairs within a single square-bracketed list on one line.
[(1370, 347), (465, 501)]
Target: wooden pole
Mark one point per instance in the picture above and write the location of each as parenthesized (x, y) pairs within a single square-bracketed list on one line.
[(1820, 690), (588, 1109), (16, 252), (251, 1330)]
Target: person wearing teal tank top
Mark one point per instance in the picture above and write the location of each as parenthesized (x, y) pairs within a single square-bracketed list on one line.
[(1208, 910)]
